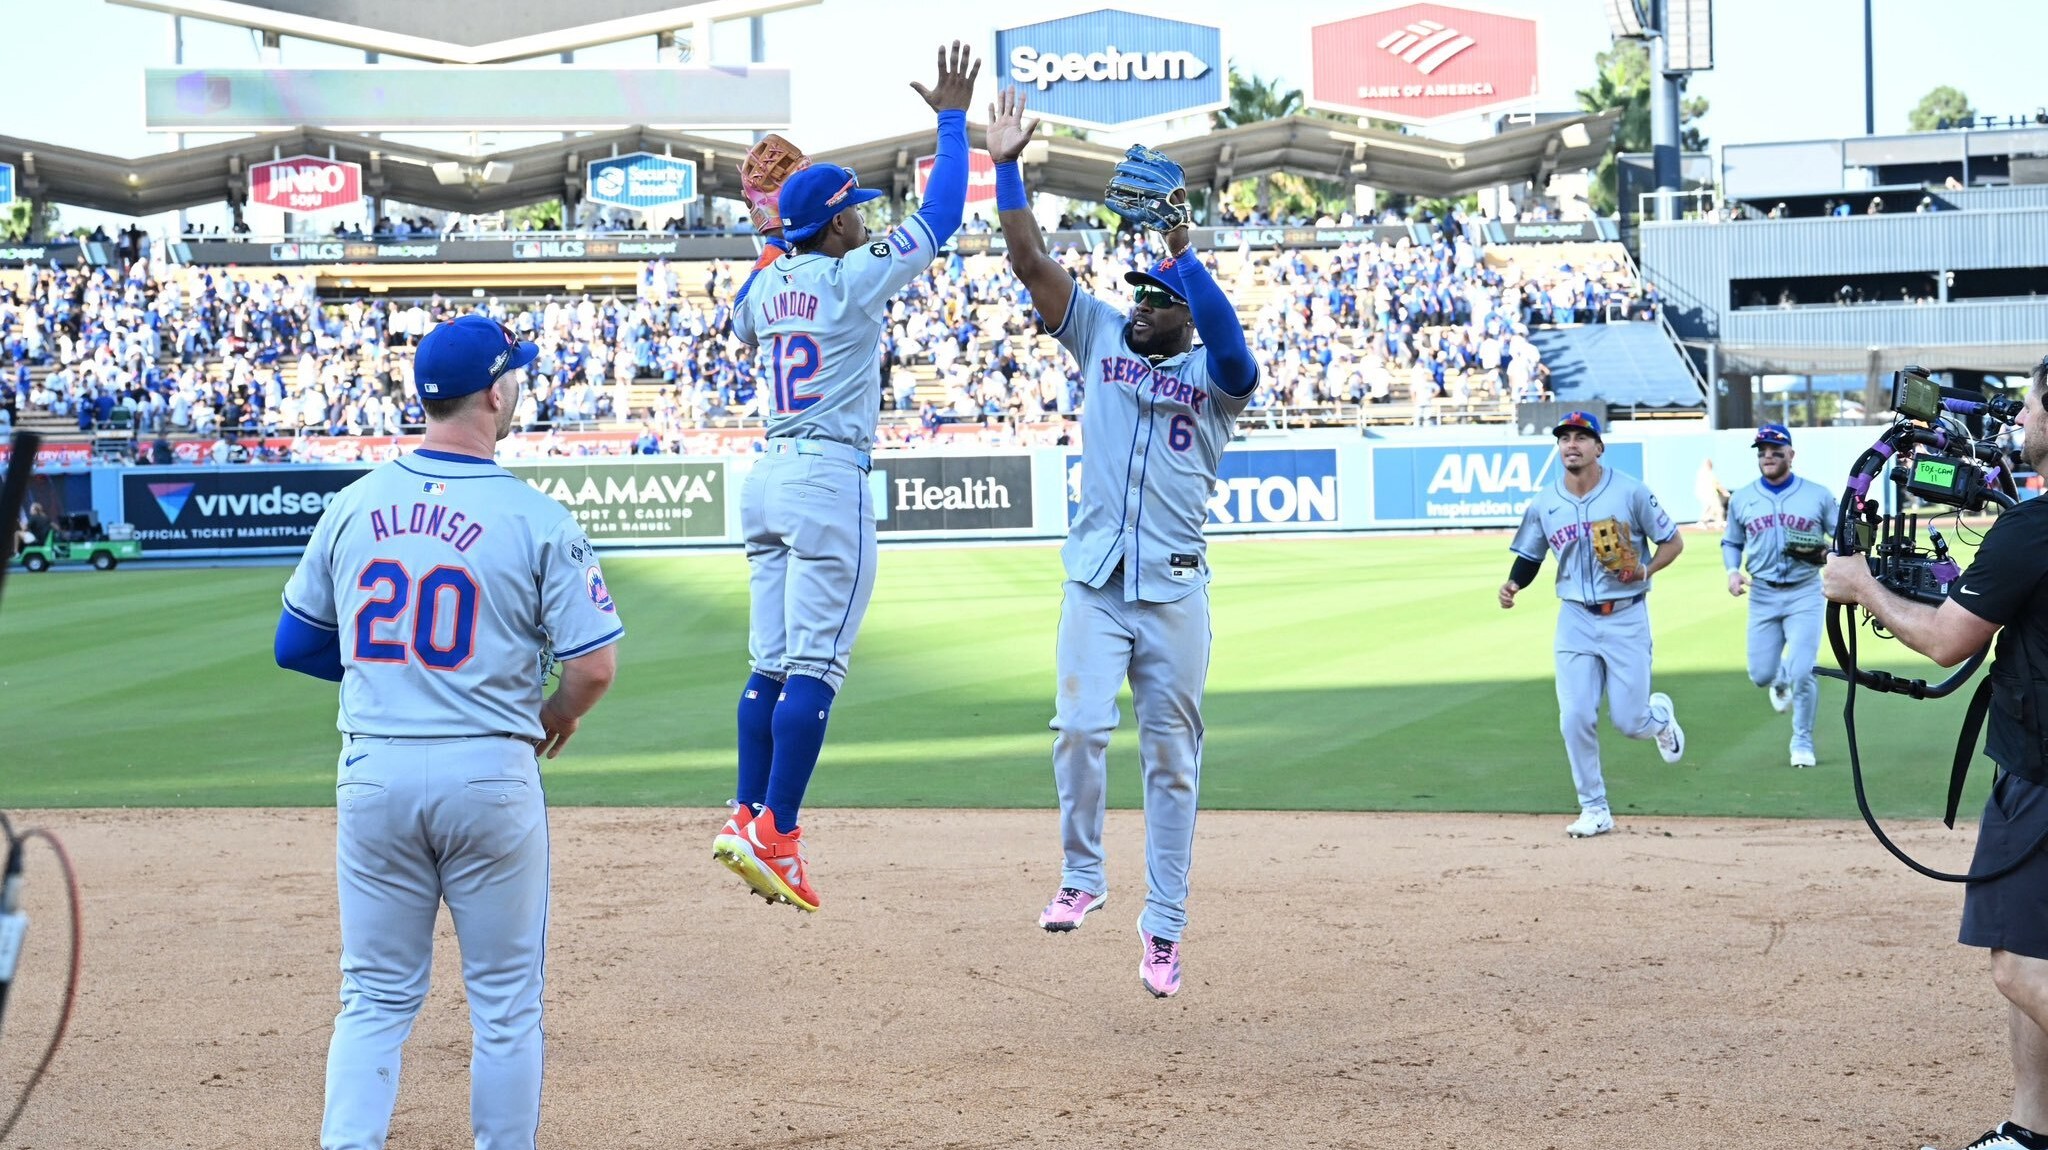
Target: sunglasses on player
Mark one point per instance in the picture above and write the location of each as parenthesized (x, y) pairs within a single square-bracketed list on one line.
[(1155, 298)]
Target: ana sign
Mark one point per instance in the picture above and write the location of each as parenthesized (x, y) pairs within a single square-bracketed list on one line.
[(1109, 68), (305, 184), (641, 180), (981, 177), (1422, 63)]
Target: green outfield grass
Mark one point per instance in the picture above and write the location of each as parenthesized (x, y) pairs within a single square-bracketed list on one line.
[(1352, 674)]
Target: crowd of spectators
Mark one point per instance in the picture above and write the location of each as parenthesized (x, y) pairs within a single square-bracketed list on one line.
[(233, 354)]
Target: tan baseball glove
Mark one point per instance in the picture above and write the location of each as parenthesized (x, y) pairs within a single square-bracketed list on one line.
[(1614, 546), (767, 164)]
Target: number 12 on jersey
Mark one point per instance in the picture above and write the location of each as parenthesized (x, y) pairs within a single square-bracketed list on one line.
[(797, 359)]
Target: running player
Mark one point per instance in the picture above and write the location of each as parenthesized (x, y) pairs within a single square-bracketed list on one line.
[(1782, 521), (437, 590), (1603, 621), (817, 315), (1158, 412)]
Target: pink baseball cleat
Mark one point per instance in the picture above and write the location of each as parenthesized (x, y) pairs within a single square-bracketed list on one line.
[(1159, 968), (1069, 907)]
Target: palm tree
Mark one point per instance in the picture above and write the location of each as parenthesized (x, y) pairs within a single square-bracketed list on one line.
[(1254, 100)]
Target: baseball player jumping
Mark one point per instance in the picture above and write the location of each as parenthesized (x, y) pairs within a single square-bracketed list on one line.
[(1597, 520), (817, 314), (1157, 414), (437, 590), (1782, 522)]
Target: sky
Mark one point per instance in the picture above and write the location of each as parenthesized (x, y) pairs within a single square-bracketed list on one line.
[(1786, 69)]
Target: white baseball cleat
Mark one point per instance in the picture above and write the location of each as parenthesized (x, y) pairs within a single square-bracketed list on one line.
[(1670, 736), (1803, 757), (1781, 696), (1591, 821)]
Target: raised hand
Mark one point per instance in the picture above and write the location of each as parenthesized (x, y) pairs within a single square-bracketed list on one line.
[(957, 72), (1008, 131)]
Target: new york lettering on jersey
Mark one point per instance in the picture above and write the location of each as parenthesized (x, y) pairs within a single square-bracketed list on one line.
[(431, 561), (1558, 521), (818, 323), (1154, 433), (1759, 520)]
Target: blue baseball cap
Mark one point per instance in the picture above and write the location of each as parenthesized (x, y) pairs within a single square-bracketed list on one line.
[(466, 354), (1772, 435), (811, 197), (1578, 421)]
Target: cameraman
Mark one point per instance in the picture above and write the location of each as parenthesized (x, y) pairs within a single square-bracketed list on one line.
[(2003, 588)]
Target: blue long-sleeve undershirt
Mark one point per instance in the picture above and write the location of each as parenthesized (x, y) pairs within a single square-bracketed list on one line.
[(945, 193), (1230, 360), (309, 650)]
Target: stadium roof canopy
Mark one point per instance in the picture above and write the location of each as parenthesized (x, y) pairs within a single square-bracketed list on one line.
[(451, 33), (1066, 166)]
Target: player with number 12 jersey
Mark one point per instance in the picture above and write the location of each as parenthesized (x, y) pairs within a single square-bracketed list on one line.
[(817, 314)]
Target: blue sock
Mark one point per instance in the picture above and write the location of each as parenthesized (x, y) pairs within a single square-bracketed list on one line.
[(757, 737), (799, 735)]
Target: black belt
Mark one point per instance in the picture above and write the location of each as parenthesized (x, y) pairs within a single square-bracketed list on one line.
[(1774, 585), (1610, 606)]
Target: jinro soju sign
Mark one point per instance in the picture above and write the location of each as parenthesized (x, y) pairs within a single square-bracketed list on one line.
[(650, 502)]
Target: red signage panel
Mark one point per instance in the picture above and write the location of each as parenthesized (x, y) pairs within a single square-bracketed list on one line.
[(305, 184), (981, 176), (1421, 63)]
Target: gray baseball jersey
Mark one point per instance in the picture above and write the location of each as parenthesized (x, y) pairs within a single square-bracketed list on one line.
[(819, 322), (1758, 519), (1152, 435), (453, 584), (1597, 653), (1786, 608), (1562, 522)]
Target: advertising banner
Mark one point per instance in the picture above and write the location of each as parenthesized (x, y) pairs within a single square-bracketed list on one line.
[(305, 184), (1422, 63), (1258, 489), (6, 183), (951, 492), (641, 181), (62, 253), (1473, 484), (981, 177), (649, 500), (230, 507), (1110, 68)]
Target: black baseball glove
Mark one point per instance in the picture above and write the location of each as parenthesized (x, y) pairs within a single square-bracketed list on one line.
[(1141, 188), (1806, 546)]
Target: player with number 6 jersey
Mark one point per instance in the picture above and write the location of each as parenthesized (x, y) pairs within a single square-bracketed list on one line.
[(817, 314), (1156, 416), (439, 590)]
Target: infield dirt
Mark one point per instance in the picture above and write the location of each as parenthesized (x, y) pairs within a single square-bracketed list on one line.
[(1352, 980)]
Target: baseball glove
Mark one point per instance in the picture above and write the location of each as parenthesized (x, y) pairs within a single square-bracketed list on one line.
[(1141, 187), (1806, 546), (1614, 546), (767, 164)]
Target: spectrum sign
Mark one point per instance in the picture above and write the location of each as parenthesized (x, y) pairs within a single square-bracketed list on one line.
[(1110, 68)]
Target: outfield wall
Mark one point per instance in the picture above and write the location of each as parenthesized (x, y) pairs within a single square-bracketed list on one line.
[(1269, 482)]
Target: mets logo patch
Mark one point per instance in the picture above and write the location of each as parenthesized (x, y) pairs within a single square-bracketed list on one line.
[(602, 598)]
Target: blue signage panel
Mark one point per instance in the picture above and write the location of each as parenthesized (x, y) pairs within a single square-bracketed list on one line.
[(6, 183), (641, 180), (1110, 68), (1473, 483), (1258, 489)]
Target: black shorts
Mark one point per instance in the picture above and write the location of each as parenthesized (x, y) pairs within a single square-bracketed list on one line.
[(2010, 913)]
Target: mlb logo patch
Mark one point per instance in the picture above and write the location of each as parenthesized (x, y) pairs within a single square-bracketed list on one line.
[(433, 488), (903, 241)]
